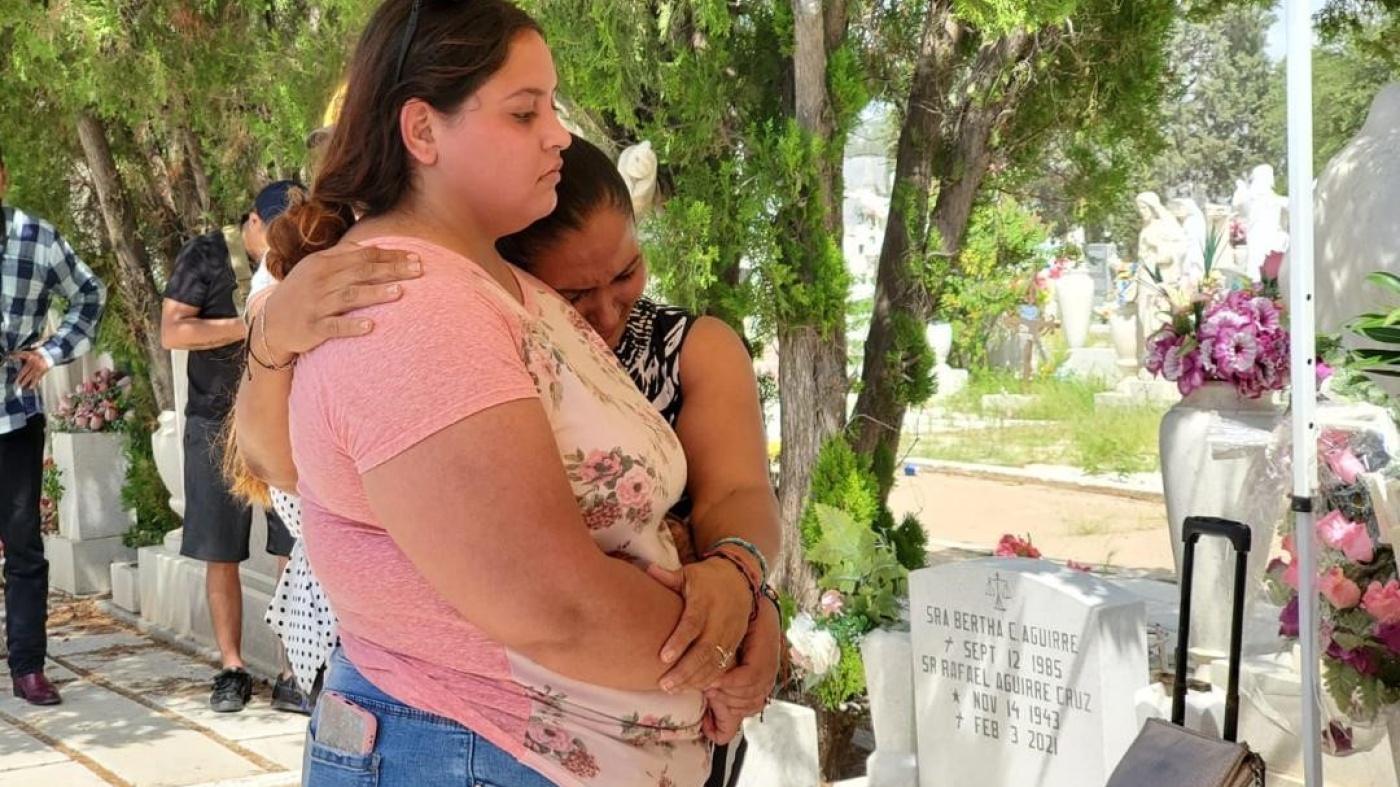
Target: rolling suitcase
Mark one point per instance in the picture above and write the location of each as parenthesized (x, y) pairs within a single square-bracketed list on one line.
[(1169, 755)]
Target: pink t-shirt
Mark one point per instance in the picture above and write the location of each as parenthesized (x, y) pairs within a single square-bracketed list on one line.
[(456, 344)]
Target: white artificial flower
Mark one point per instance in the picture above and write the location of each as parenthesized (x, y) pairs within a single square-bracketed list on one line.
[(813, 649)]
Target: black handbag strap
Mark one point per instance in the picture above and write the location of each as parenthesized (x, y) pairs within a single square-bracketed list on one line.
[(1239, 536)]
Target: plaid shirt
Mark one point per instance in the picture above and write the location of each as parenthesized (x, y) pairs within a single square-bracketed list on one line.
[(36, 263)]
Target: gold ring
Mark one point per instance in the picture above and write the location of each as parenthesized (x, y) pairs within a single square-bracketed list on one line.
[(724, 656)]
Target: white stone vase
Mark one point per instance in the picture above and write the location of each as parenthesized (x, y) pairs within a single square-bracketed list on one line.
[(93, 470), (940, 341), (889, 678), (1123, 331), (1196, 483), (1074, 293)]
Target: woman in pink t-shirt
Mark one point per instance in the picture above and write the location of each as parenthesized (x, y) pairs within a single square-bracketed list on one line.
[(481, 482)]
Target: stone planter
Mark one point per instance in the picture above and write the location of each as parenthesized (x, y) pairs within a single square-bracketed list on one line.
[(91, 519), (93, 469), (1123, 331), (1197, 483), (1074, 292)]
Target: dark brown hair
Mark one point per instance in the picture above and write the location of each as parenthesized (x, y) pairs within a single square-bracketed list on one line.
[(455, 47), (588, 182)]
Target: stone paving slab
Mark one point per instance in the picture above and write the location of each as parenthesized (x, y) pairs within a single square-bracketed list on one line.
[(136, 744), (148, 670), (73, 642), (257, 721), (23, 751), (285, 750), (59, 774)]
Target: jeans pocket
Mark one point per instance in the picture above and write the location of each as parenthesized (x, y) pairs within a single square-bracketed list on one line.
[(330, 767)]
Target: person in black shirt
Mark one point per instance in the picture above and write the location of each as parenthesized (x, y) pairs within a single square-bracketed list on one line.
[(200, 314)]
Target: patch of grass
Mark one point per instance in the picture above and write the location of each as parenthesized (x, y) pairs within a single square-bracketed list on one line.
[(1090, 526), (1071, 430)]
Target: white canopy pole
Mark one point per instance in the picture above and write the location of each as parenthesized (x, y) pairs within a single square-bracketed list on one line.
[(1304, 373)]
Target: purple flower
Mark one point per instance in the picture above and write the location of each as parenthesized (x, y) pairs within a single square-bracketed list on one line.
[(1288, 619), (1159, 346), (1235, 351), (1361, 659), (1388, 634), (1338, 736), (1323, 372)]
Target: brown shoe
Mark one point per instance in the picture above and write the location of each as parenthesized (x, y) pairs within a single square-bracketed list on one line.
[(36, 689)]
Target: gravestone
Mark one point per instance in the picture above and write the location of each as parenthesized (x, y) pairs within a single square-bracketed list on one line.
[(1024, 673)]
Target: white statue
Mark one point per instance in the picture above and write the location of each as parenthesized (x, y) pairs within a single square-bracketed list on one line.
[(1193, 223), (638, 166), (1162, 243), (1355, 201), (1262, 210)]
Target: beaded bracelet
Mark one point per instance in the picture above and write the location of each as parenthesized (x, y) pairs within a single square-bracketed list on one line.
[(749, 547), (260, 322), (754, 587)]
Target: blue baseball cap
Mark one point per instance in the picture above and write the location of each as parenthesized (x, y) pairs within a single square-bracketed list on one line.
[(274, 198)]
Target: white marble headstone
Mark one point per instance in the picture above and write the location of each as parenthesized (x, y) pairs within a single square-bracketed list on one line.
[(1024, 673)]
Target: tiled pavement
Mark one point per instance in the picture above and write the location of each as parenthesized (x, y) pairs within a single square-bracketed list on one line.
[(135, 713)]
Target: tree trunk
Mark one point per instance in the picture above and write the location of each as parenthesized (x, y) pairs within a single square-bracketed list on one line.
[(134, 281), (189, 147), (879, 412), (944, 150), (812, 387), (811, 348)]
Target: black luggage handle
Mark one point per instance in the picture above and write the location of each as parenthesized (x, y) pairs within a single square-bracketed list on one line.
[(1239, 536)]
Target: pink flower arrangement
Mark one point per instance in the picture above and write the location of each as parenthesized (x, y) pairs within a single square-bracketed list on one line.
[(1014, 546), (1238, 338), (1220, 331), (1358, 585), (98, 405)]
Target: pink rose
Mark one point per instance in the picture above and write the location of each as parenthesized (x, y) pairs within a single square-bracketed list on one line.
[(1077, 566), (1339, 591), (634, 490), (1351, 538), (600, 466), (1383, 601), (1011, 546), (1290, 573), (831, 603), (1344, 464), (1273, 261), (547, 737)]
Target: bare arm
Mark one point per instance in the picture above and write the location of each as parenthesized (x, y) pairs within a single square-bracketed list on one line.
[(182, 329), (309, 310), (260, 415), (518, 552), (721, 429)]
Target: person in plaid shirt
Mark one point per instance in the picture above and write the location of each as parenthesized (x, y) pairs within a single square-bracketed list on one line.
[(36, 264)]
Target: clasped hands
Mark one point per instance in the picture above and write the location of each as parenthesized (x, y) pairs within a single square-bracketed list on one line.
[(713, 631)]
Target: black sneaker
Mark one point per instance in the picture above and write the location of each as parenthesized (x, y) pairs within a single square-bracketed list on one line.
[(232, 689), (287, 696)]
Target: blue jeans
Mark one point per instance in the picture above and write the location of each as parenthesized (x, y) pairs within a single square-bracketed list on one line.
[(413, 748)]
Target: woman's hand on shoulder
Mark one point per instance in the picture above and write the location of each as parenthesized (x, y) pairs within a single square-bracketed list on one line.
[(309, 305)]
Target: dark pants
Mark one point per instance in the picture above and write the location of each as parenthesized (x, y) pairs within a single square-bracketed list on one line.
[(26, 570)]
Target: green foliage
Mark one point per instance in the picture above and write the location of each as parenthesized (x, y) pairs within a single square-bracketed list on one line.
[(912, 359), (1383, 328), (841, 480), (1347, 75), (997, 261), (846, 680), (855, 561)]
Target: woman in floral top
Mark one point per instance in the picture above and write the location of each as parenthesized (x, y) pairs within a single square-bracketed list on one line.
[(563, 682)]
